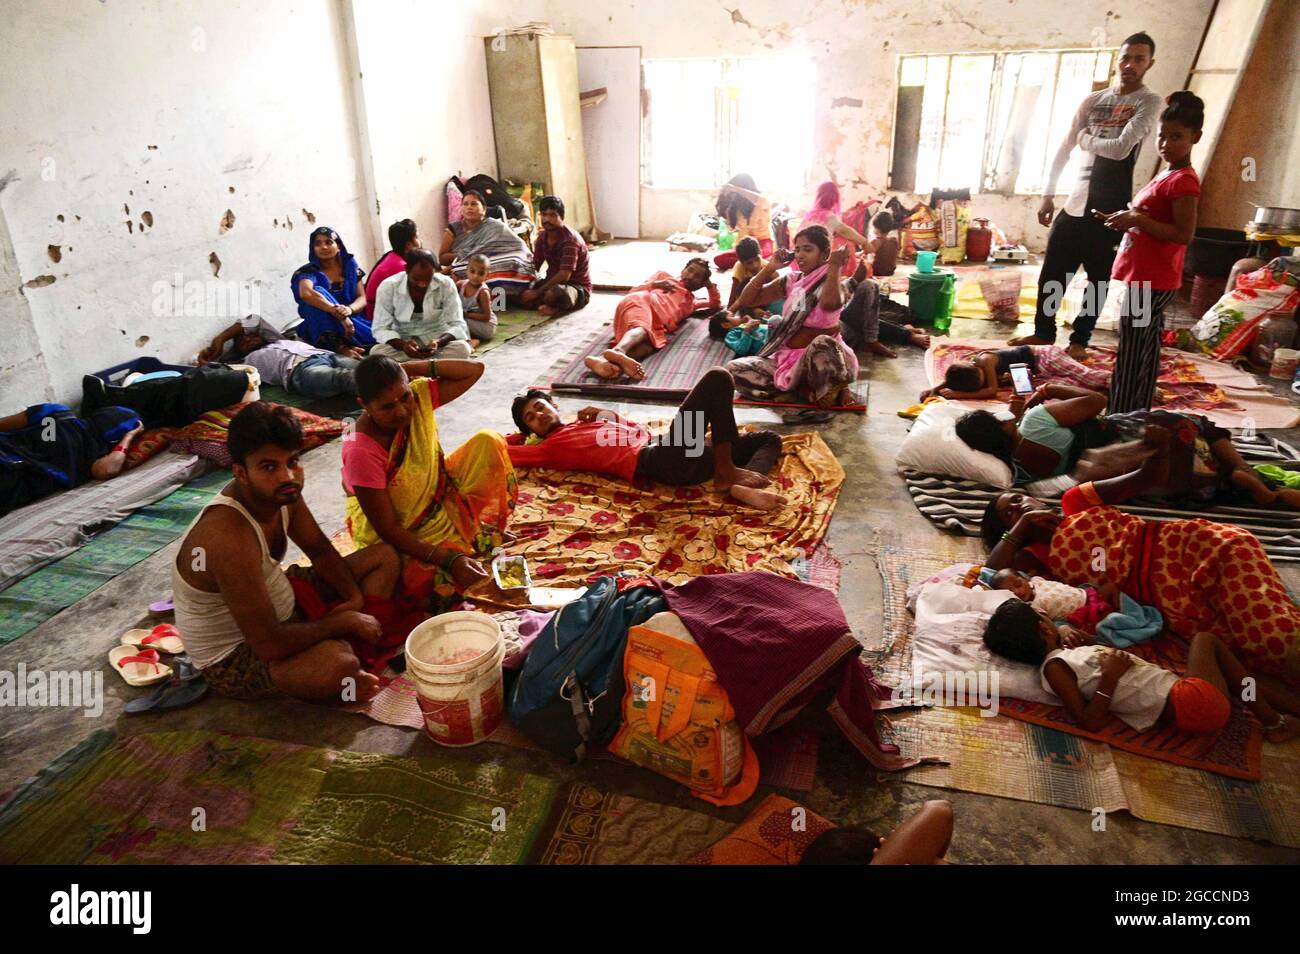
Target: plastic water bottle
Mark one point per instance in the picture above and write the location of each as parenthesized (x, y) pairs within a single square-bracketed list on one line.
[(726, 237), (943, 307)]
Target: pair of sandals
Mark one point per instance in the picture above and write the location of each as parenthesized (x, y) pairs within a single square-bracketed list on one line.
[(138, 661)]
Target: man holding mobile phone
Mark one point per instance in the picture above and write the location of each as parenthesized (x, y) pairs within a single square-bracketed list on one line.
[(418, 313), (1109, 127)]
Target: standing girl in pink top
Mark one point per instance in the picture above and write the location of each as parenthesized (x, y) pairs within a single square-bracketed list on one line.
[(1156, 230), (826, 213)]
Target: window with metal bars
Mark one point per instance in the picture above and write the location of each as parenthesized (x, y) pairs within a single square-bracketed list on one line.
[(989, 122)]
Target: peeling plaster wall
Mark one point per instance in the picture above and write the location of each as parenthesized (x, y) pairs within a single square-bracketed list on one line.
[(119, 114), (1263, 124), (183, 139), (856, 44)]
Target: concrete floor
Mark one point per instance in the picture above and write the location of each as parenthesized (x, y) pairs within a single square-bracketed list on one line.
[(989, 830)]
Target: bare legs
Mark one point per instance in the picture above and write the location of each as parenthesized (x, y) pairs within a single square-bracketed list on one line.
[(622, 358), (1211, 660)]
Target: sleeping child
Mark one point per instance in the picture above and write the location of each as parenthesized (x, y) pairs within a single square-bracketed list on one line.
[(743, 335), (980, 377), (1082, 606), (1095, 682)]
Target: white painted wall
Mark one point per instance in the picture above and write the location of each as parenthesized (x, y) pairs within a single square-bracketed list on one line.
[(109, 111), (112, 111), (424, 77), (1263, 125), (856, 44)]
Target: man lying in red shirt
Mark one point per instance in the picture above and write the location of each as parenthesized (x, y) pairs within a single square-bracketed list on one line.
[(604, 442)]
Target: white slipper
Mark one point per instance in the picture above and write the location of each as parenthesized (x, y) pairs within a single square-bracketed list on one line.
[(138, 667), (164, 637)]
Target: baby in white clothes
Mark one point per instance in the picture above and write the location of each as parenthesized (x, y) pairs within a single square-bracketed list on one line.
[(1059, 600)]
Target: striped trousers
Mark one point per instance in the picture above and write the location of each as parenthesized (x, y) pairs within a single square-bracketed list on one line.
[(1141, 325)]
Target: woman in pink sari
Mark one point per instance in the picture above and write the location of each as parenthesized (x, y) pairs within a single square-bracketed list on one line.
[(826, 213), (805, 358)]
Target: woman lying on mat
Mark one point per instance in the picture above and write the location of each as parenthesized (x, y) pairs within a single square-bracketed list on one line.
[(605, 442), (805, 354), (47, 448), (1095, 682), (1203, 577), (439, 512), (980, 377), (648, 314), (1033, 437), (921, 840), (1058, 431)]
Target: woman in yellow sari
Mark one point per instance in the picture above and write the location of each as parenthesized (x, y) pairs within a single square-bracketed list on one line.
[(440, 512)]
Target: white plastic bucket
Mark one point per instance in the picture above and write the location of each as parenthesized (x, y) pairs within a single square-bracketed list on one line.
[(455, 662)]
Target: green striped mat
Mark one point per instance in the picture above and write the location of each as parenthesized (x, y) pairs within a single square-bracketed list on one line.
[(34, 599)]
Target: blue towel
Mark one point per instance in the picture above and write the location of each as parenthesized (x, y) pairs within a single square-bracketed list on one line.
[(1133, 623)]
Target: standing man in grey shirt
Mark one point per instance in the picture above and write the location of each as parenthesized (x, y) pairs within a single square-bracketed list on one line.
[(1109, 128), (418, 313)]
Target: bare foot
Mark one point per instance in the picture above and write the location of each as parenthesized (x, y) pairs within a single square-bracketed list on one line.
[(750, 478), (629, 366), (602, 369), (474, 342), (1287, 729), (756, 498), (920, 339), (1077, 351), (1028, 340), (548, 310), (367, 686), (875, 347)]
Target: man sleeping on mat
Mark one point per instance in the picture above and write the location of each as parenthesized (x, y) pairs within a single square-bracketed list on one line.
[(604, 442), (648, 314)]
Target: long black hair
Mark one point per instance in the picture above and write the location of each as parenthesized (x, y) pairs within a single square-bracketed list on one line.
[(733, 206), (375, 373), (982, 431)]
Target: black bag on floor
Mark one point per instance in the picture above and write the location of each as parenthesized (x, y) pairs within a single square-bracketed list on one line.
[(495, 193), (169, 402)]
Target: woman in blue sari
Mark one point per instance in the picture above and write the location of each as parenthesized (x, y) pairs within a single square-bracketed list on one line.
[(331, 297), (47, 448)]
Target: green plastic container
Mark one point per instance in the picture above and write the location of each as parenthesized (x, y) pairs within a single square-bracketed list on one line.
[(927, 295), (943, 314), (726, 238)]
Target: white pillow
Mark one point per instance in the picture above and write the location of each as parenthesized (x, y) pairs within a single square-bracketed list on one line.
[(950, 621), (933, 447)]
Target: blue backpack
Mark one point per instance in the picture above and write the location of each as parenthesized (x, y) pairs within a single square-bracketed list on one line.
[(570, 691)]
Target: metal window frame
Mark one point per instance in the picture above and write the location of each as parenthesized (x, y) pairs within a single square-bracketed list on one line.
[(988, 160)]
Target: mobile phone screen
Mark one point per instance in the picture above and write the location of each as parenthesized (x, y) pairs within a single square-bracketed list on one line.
[(1020, 381)]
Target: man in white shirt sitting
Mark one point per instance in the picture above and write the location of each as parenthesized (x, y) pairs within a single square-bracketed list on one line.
[(418, 313)]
